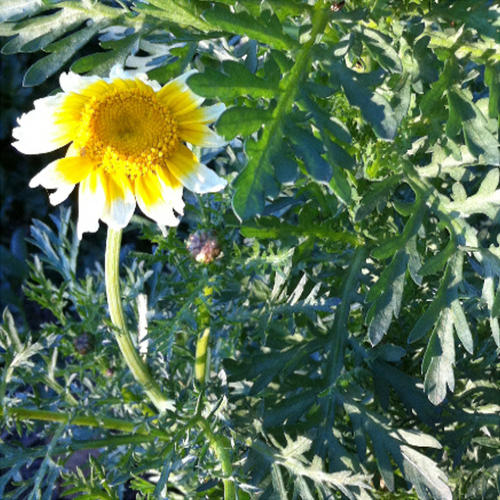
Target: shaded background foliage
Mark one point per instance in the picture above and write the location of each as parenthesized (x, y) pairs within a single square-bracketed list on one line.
[(353, 311)]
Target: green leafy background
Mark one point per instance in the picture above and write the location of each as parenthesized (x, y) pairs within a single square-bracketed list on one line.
[(354, 312)]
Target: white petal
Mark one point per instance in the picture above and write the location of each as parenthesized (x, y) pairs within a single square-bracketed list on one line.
[(62, 172), (61, 194), (118, 72), (37, 131), (202, 180), (184, 103), (72, 82), (49, 177), (160, 209), (119, 212), (183, 78), (200, 135), (186, 168), (212, 140), (174, 196), (152, 83), (90, 203), (212, 113), (161, 212), (120, 205)]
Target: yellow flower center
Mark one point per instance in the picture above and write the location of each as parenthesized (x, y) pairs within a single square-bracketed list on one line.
[(127, 131)]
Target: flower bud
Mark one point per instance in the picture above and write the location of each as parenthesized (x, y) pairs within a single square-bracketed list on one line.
[(82, 343), (203, 246)]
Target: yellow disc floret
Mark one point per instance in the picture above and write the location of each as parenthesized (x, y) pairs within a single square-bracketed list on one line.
[(124, 128)]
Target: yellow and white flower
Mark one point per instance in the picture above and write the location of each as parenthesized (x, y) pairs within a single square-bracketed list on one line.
[(127, 140)]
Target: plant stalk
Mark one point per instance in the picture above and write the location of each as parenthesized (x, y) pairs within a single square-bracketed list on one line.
[(222, 454), (137, 366), (135, 433)]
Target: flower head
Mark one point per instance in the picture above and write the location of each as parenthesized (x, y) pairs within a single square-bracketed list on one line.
[(127, 140)]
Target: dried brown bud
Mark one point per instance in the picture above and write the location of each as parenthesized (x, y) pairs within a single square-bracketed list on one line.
[(203, 246), (82, 343), (336, 6)]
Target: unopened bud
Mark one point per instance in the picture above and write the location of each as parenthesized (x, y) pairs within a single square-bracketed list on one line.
[(82, 343), (203, 246)]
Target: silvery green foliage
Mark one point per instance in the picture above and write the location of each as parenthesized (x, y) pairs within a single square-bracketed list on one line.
[(355, 308)]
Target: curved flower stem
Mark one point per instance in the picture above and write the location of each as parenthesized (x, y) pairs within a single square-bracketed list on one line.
[(137, 366)]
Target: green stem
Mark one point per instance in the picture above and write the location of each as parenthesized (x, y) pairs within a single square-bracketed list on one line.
[(137, 366), (59, 389), (114, 424), (222, 454), (291, 84), (340, 332), (137, 433)]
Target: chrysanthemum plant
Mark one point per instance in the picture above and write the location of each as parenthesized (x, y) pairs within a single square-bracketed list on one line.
[(325, 320)]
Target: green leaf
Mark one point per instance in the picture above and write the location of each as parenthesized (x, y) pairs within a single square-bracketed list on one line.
[(466, 115), (439, 359), (373, 106), (273, 228), (442, 300), (338, 336), (285, 164), (256, 180), (436, 263), (242, 121), (377, 196), (289, 410), (166, 73), (266, 29), (325, 121), (485, 201), (35, 34), (13, 10), (425, 475), (386, 296), (339, 185), (482, 16), (252, 183), (293, 460), (491, 268), (412, 226), (176, 11), (432, 97), (416, 468), (381, 50), (408, 390), (338, 156), (278, 483), (234, 81), (101, 63), (61, 52), (402, 98), (310, 149), (462, 326), (495, 308)]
